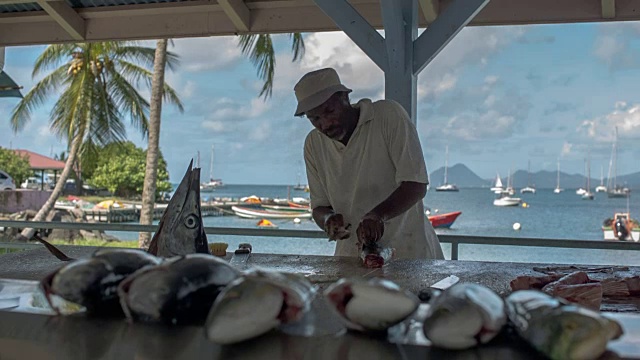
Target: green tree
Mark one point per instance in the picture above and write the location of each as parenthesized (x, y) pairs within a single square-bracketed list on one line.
[(259, 49), (15, 165), (121, 170), (97, 87)]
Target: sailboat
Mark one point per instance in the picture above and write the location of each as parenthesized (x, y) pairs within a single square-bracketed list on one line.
[(498, 185), (601, 187), (558, 189), (504, 198), (615, 190), (213, 183), (588, 195), (446, 186), (299, 186), (528, 188)]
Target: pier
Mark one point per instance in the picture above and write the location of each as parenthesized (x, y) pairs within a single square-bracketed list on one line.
[(132, 214)]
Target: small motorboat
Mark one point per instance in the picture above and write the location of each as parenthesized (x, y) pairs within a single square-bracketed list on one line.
[(621, 227), (259, 213), (507, 201), (443, 220)]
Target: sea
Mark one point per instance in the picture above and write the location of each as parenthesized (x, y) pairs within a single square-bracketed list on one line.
[(545, 215)]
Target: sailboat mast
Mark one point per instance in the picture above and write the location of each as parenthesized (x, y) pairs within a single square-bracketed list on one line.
[(615, 159), (558, 176), (211, 165), (446, 164)]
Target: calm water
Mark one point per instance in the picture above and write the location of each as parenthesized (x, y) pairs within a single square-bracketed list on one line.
[(549, 215)]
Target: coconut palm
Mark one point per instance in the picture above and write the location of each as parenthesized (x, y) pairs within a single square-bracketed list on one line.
[(96, 85), (153, 147), (259, 49)]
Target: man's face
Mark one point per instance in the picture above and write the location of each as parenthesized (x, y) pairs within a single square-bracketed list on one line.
[(329, 117)]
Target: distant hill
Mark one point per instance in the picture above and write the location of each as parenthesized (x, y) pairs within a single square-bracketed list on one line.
[(460, 175), (464, 177)]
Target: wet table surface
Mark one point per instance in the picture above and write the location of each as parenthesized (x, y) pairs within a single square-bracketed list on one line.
[(24, 335)]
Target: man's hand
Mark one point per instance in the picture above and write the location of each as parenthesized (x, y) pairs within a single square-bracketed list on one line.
[(334, 226), (371, 228)]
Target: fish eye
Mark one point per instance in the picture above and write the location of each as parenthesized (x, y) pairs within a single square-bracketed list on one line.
[(191, 221)]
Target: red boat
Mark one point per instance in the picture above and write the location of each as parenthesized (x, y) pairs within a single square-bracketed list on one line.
[(444, 220)]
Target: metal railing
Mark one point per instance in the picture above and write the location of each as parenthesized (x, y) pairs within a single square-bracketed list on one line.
[(454, 240)]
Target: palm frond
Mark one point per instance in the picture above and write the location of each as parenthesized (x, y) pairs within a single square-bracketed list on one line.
[(21, 114), (53, 56), (130, 101), (259, 48), (171, 96), (297, 46)]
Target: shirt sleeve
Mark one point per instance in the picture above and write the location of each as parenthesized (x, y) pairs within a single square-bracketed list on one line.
[(317, 188), (403, 144)]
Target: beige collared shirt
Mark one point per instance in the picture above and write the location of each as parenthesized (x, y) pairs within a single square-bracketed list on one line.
[(383, 151)]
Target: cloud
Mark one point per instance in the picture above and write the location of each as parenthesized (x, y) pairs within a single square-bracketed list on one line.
[(566, 149), (205, 54), (602, 128), (616, 46), (224, 112), (557, 107)]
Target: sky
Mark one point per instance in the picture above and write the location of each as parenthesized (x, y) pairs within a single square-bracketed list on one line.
[(499, 97)]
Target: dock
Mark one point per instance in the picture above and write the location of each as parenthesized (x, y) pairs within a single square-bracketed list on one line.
[(132, 214)]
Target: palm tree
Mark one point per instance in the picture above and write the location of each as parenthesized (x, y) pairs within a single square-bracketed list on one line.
[(151, 170), (259, 48), (97, 83)]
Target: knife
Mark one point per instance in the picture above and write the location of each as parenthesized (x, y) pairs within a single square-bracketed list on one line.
[(241, 256), (434, 290)]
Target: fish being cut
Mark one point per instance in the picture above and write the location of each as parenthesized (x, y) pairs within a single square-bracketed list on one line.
[(179, 291), (370, 304), (463, 316), (375, 256), (558, 329), (256, 303)]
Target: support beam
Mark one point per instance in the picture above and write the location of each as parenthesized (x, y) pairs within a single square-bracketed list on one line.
[(238, 13), (400, 18), (456, 16), (66, 17), (430, 9), (608, 9), (357, 28)]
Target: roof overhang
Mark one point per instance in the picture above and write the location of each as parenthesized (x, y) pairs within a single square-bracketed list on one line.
[(28, 22)]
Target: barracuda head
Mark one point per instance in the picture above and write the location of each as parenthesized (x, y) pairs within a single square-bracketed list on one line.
[(181, 231)]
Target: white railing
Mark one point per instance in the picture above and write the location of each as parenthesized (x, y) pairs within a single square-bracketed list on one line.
[(454, 240)]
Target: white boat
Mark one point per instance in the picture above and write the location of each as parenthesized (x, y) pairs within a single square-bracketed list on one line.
[(255, 213), (588, 195), (581, 191), (446, 186), (212, 183), (506, 201), (601, 187), (528, 189), (498, 185), (558, 189), (510, 191), (615, 190)]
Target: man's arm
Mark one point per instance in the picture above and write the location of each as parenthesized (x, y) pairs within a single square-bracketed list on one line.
[(401, 200), (320, 215)]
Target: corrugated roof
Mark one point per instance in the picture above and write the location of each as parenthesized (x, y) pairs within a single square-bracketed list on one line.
[(25, 7)]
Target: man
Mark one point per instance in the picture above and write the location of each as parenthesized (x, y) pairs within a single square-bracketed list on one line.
[(366, 171)]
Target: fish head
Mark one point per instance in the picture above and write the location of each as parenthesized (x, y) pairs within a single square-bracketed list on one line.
[(181, 230), (573, 332), (245, 309), (370, 305)]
